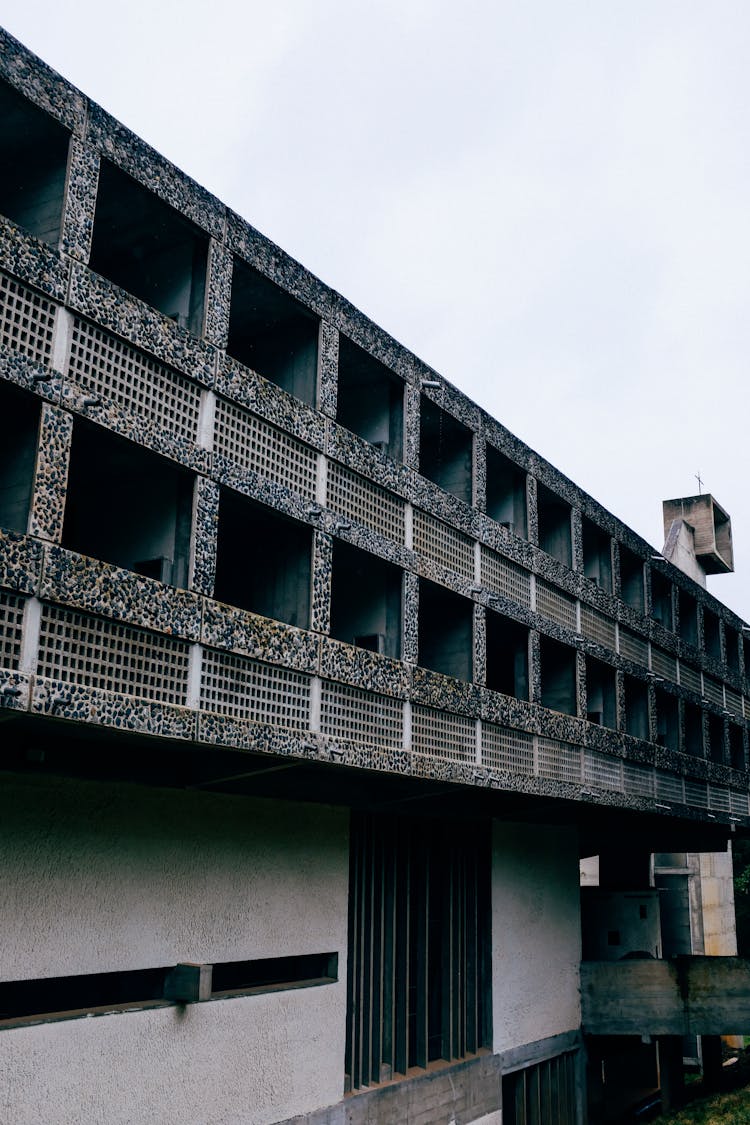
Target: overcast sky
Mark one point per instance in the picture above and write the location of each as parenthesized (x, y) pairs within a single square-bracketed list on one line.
[(546, 200)]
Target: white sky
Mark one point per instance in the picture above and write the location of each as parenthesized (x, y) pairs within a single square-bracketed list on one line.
[(546, 200)]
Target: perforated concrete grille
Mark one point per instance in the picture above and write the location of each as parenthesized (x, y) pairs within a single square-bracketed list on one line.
[(358, 499), (253, 444), (597, 627), (713, 691), (663, 664), (638, 781), (602, 772), (718, 798), (443, 544), (633, 648), (555, 605), (504, 749), (690, 679), (734, 701), (245, 689), (11, 622), (505, 577), (669, 787), (361, 716), (26, 320), (559, 760), (105, 655), (121, 374), (738, 803), (439, 734), (696, 793)]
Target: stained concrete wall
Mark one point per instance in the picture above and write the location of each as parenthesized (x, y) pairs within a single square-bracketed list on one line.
[(111, 877), (536, 933)]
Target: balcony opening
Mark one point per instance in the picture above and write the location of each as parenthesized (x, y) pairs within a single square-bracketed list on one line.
[(507, 656), (554, 526), (597, 555), (273, 334), (370, 400), (693, 730), (445, 451), (661, 600), (745, 642), (446, 641), (506, 492), (731, 641), (667, 720), (636, 708), (366, 601), (263, 560), (145, 246), (715, 737), (712, 635), (128, 506), (688, 611), (601, 694), (34, 159), (19, 435), (736, 747), (558, 676), (631, 579)]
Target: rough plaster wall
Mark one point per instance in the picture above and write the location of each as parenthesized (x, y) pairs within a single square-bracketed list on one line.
[(717, 899), (112, 877), (247, 1061), (536, 933), (107, 877)]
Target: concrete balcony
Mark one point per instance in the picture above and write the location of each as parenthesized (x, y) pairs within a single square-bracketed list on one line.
[(684, 996)]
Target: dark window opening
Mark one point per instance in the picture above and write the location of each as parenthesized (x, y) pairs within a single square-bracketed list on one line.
[(613, 937), (631, 579), (273, 334), (693, 730), (445, 451), (597, 555), (731, 641), (366, 600), (661, 600), (636, 708), (688, 611), (667, 720), (601, 693), (554, 526), (128, 506), (506, 492), (370, 399), (263, 561), (419, 946), (66, 997), (445, 631), (712, 635), (19, 412), (642, 911), (271, 974), (715, 737), (507, 656), (543, 1094), (34, 159), (558, 676), (145, 246), (736, 747)]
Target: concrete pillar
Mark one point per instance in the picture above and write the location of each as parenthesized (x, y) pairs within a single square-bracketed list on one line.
[(671, 1073)]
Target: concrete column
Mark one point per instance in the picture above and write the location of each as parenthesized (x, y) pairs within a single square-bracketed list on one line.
[(80, 200), (51, 474), (671, 1073), (328, 368)]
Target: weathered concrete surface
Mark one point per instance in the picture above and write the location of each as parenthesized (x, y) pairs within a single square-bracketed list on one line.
[(687, 996)]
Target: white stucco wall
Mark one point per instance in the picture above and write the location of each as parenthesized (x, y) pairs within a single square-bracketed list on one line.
[(536, 936), (112, 877)]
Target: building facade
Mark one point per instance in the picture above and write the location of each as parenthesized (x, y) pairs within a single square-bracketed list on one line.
[(316, 684)]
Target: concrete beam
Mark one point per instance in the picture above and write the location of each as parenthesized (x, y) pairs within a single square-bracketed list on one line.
[(684, 996)]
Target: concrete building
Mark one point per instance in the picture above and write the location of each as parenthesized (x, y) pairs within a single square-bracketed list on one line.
[(316, 684)]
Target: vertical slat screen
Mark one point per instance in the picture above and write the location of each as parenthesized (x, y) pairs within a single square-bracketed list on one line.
[(418, 976)]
